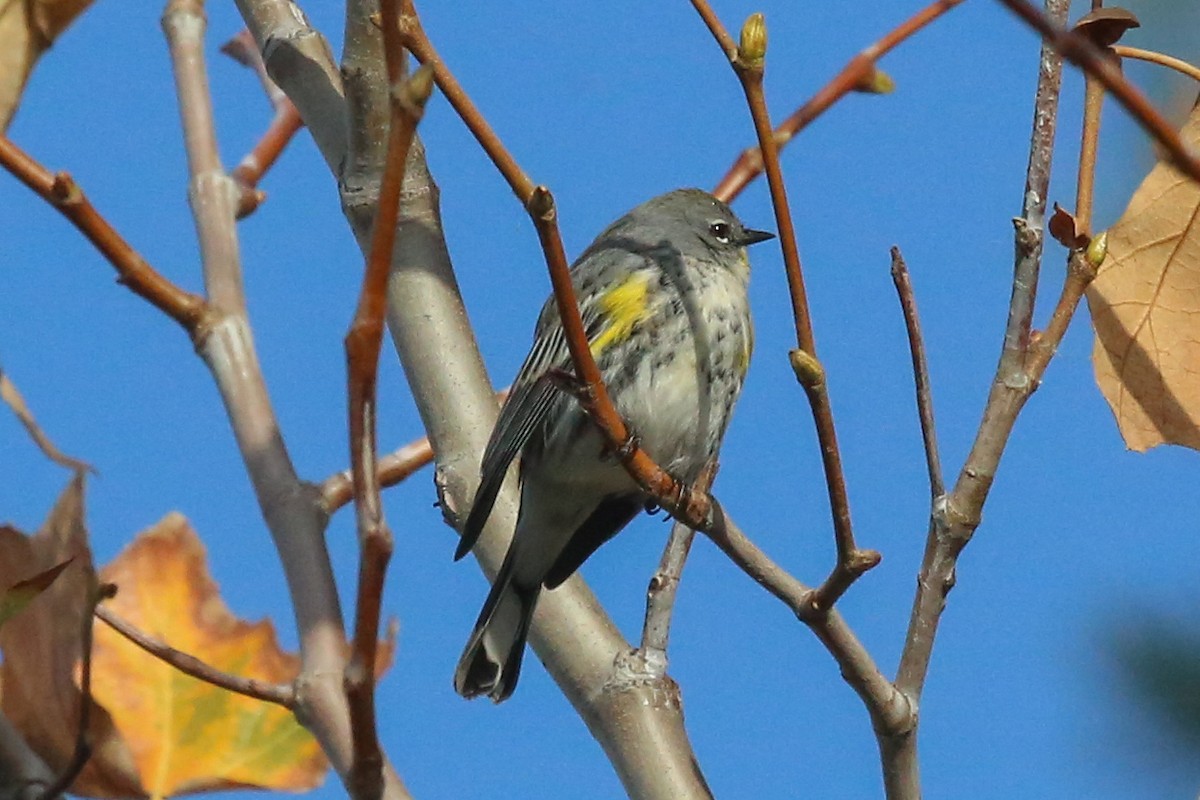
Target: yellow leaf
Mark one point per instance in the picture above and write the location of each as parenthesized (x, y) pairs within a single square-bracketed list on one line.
[(1145, 305), (187, 735)]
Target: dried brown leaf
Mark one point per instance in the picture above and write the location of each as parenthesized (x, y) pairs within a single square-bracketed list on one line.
[(1106, 26), (27, 29), (42, 647), (1145, 306), (18, 596), (1064, 230)]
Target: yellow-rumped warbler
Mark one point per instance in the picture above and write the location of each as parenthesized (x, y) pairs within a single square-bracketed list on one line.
[(662, 293)]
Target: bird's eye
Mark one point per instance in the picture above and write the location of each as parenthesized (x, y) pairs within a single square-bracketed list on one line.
[(720, 231)]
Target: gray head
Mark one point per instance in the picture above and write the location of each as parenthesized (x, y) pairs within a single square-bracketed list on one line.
[(687, 219)]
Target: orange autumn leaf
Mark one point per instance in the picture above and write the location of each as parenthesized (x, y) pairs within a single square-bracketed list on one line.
[(1145, 306), (186, 735)]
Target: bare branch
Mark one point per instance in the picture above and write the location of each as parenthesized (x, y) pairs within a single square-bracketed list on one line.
[(890, 710), (363, 344), (278, 694), (916, 348), (664, 585), (748, 61), (1162, 59), (290, 508), (299, 61), (283, 127), (61, 191), (1082, 53), (860, 74)]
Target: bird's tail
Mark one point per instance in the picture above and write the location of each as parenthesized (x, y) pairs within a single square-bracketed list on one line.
[(491, 661)]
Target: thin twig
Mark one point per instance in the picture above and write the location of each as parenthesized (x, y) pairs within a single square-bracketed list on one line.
[(97, 592), (856, 75), (279, 133), (279, 694), (954, 517), (889, 709), (61, 191), (916, 348), (1080, 51), (11, 396), (289, 507), (664, 584), (415, 41), (747, 63), (363, 344), (338, 490), (1085, 190), (1162, 59), (697, 509)]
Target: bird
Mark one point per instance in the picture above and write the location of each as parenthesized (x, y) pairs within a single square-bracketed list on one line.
[(663, 297)]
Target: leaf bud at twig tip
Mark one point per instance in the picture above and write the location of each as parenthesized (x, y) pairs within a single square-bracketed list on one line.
[(541, 202), (1097, 249), (752, 47), (65, 189), (808, 369), (875, 82), (420, 85)]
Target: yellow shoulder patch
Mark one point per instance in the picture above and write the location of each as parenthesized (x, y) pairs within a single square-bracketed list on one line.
[(742, 358), (624, 307)]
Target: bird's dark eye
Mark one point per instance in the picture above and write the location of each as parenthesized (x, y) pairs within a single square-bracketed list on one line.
[(720, 231)]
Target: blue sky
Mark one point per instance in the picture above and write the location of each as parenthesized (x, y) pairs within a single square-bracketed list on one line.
[(610, 105)]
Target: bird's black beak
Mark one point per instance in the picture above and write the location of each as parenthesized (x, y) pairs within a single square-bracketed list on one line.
[(750, 237)]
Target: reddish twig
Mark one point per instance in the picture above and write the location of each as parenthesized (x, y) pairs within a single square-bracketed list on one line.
[(279, 133), (363, 344), (747, 63), (1162, 59), (338, 490), (1081, 52), (61, 191), (699, 510), (860, 74), (916, 348), (278, 694)]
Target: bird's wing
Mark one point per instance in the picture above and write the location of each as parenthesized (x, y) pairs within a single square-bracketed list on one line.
[(530, 398), (534, 389), (605, 522)]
